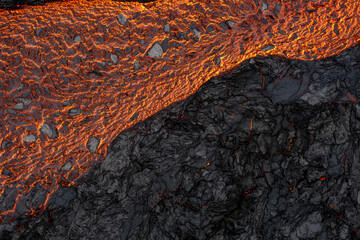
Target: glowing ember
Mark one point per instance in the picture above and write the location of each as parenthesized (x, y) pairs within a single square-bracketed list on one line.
[(75, 74)]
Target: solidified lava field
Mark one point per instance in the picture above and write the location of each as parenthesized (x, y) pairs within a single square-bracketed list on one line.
[(179, 119)]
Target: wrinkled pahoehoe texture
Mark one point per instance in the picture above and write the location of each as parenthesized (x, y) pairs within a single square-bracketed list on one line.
[(74, 74), (270, 151)]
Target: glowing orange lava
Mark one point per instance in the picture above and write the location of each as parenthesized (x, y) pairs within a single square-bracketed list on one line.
[(64, 51)]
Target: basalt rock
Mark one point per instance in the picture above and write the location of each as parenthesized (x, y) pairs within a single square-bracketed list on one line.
[(268, 151)]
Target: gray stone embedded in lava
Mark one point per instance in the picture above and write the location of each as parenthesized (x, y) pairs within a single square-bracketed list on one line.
[(67, 166), (6, 144), (230, 23), (21, 86), (264, 7), (74, 111), (122, 19), (19, 106), (197, 34), (136, 65), (156, 50), (49, 130), (25, 101), (167, 28), (29, 138), (218, 61), (77, 39), (267, 47), (114, 58), (92, 144)]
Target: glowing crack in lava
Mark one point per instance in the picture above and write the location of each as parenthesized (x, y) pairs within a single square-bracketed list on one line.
[(75, 74)]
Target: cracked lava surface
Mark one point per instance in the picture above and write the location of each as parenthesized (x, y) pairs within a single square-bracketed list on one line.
[(74, 74)]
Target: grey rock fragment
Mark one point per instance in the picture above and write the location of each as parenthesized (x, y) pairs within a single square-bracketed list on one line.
[(29, 138), (230, 23), (67, 166), (285, 89), (156, 51), (19, 106), (136, 65), (267, 47), (264, 6), (77, 39), (167, 28), (25, 101), (92, 144), (6, 144), (114, 58), (49, 130), (74, 111), (21, 86), (63, 196), (69, 102), (122, 19), (218, 61), (197, 34), (311, 227)]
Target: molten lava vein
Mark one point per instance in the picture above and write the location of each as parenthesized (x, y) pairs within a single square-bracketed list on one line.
[(61, 83)]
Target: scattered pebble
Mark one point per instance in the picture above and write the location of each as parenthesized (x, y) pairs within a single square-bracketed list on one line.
[(218, 61), (25, 101), (167, 28), (74, 111), (136, 65), (29, 138), (67, 166), (197, 33), (19, 106), (264, 7), (6, 144), (122, 19), (156, 50), (267, 47), (92, 144), (77, 39), (21, 86), (49, 130), (114, 58), (230, 23), (69, 102)]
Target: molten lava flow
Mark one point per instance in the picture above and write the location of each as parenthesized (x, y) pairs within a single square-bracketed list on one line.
[(74, 71)]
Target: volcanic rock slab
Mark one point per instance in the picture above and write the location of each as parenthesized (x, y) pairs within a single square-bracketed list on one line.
[(246, 157)]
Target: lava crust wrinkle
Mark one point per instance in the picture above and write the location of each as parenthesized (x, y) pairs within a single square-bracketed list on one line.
[(76, 73)]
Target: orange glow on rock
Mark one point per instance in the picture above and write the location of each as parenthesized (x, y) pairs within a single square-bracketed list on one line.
[(78, 70)]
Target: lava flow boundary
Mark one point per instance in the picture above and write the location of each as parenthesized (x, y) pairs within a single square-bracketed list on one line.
[(75, 74)]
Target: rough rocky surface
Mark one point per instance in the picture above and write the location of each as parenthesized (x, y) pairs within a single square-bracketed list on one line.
[(268, 151)]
